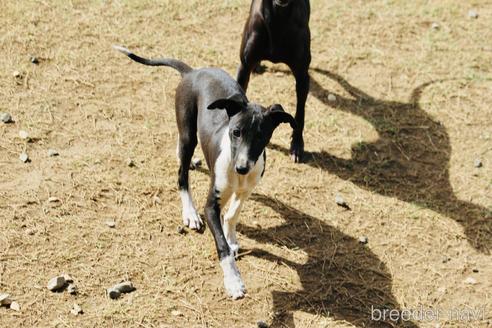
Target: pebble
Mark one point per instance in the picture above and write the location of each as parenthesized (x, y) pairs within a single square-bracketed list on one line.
[(34, 60), (52, 153), (67, 277), (5, 299), (435, 26), (341, 202), (130, 162), (23, 134), (363, 240), (477, 163), (332, 97), (176, 313), (196, 163), (76, 309), (157, 200), (113, 293), (16, 74), (72, 289), (472, 13), (24, 157), (53, 199), (31, 232), (262, 324), (111, 223), (15, 306), (56, 283), (470, 281), (6, 118), (123, 287), (181, 230)]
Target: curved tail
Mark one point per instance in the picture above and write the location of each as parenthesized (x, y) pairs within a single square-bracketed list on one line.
[(174, 63)]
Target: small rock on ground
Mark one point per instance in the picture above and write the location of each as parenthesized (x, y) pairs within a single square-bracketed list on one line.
[(262, 324), (34, 60), (477, 163), (24, 157), (15, 306), (130, 162), (113, 293), (23, 134), (195, 163), (332, 97), (363, 240), (111, 223), (76, 309), (470, 281), (53, 199), (157, 200), (181, 230), (435, 26), (52, 153), (72, 289), (57, 283), (341, 202), (6, 118), (472, 13), (176, 313), (124, 287), (5, 299)]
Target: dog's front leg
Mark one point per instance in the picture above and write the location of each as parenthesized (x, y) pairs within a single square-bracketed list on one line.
[(231, 219), (232, 279)]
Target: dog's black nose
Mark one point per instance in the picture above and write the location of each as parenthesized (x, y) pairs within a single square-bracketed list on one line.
[(242, 169)]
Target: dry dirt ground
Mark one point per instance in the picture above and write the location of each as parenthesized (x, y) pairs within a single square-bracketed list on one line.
[(411, 115)]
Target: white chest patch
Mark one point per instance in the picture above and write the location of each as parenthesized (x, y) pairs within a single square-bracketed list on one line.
[(226, 179)]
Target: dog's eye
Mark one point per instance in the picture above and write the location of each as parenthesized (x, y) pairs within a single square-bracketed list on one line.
[(236, 133)]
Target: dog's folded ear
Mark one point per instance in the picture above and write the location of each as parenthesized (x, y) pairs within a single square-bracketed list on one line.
[(278, 115), (233, 105)]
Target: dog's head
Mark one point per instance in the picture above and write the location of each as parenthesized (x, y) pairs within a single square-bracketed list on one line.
[(282, 3), (250, 128)]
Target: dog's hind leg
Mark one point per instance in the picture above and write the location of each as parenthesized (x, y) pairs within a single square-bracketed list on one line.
[(185, 149), (186, 117), (302, 90)]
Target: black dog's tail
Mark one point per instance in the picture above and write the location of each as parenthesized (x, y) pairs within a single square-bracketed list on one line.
[(174, 63)]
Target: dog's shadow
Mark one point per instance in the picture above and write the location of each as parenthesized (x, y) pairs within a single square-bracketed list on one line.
[(341, 278), (410, 159)]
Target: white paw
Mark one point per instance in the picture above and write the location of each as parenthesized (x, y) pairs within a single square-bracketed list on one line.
[(233, 283), (234, 287), (192, 220)]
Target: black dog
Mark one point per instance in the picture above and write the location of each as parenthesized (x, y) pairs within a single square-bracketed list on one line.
[(278, 31)]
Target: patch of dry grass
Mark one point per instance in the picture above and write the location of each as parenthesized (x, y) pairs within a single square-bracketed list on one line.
[(412, 114)]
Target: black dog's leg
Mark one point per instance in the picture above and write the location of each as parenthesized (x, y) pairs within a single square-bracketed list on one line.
[(250, 54), (243, 74), (232, 279), (302, 90)]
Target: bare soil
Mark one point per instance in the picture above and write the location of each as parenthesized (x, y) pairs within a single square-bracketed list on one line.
[(412, 114)]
